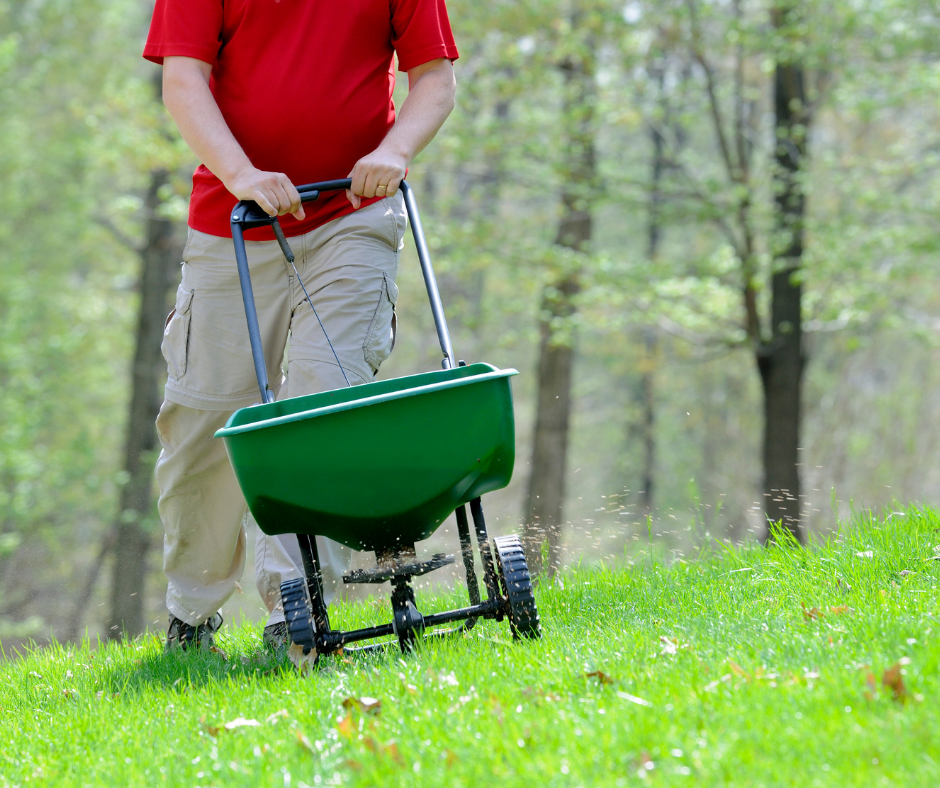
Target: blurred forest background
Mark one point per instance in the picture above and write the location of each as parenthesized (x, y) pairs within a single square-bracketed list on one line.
[(705, 231)]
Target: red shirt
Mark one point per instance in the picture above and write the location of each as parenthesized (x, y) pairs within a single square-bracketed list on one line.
[(304, 85)]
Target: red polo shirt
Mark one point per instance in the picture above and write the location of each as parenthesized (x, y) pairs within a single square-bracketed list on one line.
[(304, 85)]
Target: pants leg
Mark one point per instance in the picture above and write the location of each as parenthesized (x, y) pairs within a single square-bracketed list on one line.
[(210, 375), (349, 268)]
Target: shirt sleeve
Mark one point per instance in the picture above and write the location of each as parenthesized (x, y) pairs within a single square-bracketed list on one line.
[(187, 28), (421, 32)]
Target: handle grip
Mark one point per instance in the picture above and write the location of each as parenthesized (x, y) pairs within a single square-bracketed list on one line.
[(248, 214)]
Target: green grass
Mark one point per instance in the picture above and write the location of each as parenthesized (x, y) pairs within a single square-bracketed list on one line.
[(746, 667)]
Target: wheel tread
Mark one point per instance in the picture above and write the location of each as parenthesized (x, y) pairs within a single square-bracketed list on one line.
[(517, 585)]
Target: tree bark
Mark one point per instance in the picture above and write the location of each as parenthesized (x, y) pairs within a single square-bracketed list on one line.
[(545, 495), (131, 537), (650, 338), (781, 360)]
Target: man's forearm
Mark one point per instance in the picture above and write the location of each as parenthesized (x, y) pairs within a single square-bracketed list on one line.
[(194, 109), (188, 98), (430, 100)]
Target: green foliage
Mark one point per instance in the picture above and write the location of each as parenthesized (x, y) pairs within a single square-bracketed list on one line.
[(78, 131), (789, 666)]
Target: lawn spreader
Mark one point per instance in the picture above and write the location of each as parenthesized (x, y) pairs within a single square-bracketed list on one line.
[(438, 441)]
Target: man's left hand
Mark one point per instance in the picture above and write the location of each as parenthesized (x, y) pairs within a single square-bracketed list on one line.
[(430, 100), (376, 175)]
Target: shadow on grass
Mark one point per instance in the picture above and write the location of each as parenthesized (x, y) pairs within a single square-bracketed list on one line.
[(182, 671)]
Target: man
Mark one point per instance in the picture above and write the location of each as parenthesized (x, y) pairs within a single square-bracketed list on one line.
[(268, 94)]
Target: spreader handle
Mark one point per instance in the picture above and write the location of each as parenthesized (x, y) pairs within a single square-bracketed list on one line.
[(248, 214)]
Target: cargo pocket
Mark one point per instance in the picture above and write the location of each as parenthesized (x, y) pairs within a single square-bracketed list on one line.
[(380, 338), (175, 345)]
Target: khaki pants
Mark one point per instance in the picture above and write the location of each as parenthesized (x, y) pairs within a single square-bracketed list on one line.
[(349, 267)]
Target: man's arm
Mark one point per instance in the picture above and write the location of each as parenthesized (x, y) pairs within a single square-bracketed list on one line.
[(431, 91), (188, 98)]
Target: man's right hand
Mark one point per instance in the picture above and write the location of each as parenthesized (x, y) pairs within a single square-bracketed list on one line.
[(273, 191), (187, 96)]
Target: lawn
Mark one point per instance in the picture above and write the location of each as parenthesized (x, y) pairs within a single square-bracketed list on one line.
[(749, 667)]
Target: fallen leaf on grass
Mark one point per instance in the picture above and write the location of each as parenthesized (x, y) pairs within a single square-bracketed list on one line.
[(217, 650), (538, 692), (238, 722), (813, 613), (389, 750), (893, 679), (304, 742), (241, 722), (304, 662), (739, 671), (634, 699), (601, 677), (644, 764), (345, 727), (450, 757), (840, 609), (714, 684), (364, 704)]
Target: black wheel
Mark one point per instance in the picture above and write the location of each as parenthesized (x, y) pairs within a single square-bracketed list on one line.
[(297, 612), (516, 586)]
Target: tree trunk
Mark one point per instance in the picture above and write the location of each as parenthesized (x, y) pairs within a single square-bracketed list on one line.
[(650, 339), (131, 538), (545, 494), (780, 360)]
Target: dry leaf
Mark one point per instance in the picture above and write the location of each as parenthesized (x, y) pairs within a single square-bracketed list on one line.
[(364, 704), (872, 685), (217, 650), (241, 722), (304, 662), (739, 671), (839, 609), (354, 765), (668, 645), (714, 684), (390, 750), (813, 613), (601, 677), (450, 757), (304, 742), (345, 727), (893, 679), (634, 699)]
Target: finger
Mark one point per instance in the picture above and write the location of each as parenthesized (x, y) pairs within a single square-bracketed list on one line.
[(296, 206), (358, 176), (373, 179), (353, 198), (393, 185), (266, 205), (283, 200)]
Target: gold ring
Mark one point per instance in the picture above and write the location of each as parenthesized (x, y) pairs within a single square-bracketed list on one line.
[(382, 186)]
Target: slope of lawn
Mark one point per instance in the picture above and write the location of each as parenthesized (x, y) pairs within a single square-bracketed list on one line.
[(755, 667)]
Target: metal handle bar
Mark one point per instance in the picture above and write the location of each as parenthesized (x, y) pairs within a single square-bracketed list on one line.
[(248, 214)]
